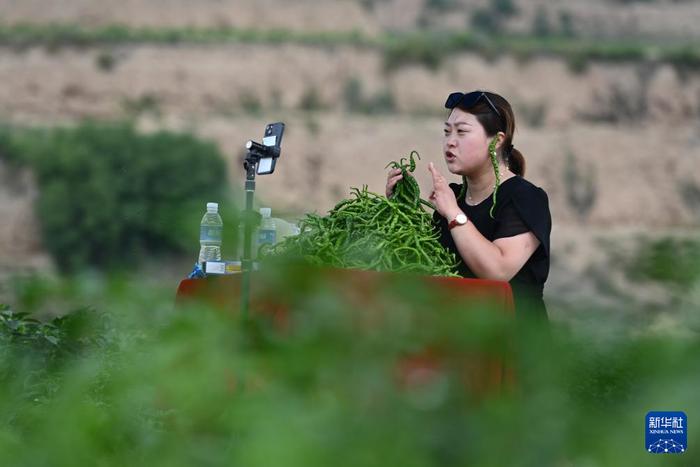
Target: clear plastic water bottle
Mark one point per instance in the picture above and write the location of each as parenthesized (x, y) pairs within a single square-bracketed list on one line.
[(267, 234), (284, 228), (210, 231)]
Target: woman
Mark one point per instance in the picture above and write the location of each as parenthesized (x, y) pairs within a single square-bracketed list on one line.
[(497, 223)]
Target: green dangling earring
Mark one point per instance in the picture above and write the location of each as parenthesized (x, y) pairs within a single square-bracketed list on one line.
[(494, 162)]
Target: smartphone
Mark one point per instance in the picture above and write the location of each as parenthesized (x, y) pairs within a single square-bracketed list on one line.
[(273, 140)]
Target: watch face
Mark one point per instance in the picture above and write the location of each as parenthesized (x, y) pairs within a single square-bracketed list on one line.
[(460, 219)]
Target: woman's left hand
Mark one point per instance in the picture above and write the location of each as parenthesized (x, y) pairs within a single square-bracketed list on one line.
[(442, 197)]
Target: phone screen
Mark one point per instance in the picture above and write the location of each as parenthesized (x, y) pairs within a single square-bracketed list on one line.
[(265, 166), (272, 138)]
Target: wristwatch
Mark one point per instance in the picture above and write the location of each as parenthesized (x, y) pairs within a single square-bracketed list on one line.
[(460, 219)]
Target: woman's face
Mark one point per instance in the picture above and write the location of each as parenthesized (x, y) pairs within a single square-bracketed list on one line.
[(465, 144)]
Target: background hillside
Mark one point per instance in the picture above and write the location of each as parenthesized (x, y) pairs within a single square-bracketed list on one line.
[(606, 95)]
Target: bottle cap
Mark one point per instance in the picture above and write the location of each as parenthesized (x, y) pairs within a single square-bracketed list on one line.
[(212, 207), (266, 212)]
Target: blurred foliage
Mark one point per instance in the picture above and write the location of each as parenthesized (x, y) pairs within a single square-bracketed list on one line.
[(427, 49), (356, 101), (109, 196), (581, 185), (153, 385), (311, 100), (541, 26), (485, 20), (491, 19), (42, 347), (424, 47), (689, 191), (506, 8), (533, 113), (72, 35), (566, 24), (441, 5), (106, 61), (144, 104), (619, 103), (669, 260), (250, 102), (626, 2)]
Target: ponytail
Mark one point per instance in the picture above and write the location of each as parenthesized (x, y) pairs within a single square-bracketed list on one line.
[(516, 162)]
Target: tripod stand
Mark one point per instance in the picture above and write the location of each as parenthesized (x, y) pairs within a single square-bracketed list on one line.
[(248, 218), (260, 159)]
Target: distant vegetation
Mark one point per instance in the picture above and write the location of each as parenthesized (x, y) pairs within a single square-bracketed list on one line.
[(429, 48), (668, 260), (109, 196), (581, 185), (356, 101)]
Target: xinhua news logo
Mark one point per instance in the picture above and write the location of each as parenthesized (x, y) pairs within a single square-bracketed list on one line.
[(666, 432)]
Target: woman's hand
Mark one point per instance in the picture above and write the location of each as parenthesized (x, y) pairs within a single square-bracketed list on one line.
[(442, 197), (392, 178)]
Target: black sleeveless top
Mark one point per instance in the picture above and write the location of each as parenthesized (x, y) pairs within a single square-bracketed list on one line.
[(520, 207)]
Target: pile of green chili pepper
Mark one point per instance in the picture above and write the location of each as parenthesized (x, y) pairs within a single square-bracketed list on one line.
[(372, 232)]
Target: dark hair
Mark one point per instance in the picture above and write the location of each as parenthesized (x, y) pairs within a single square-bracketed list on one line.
[(493, 123)]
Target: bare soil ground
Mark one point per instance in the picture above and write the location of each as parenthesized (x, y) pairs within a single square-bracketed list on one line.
[(636, 165)]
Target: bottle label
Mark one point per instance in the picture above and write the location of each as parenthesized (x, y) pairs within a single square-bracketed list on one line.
[(209, 233), (267, 237)]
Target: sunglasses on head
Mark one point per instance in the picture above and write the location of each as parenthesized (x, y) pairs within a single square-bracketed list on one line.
[(469, 100)]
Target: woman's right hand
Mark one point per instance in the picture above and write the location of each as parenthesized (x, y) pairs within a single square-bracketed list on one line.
[(392, 178)]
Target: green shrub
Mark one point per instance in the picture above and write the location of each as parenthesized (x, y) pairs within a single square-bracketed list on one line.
[(441, 5), (355, 100), (566, 24), (250, 102), (144, 104), (620, 103), (540, 24), (109, 195), (690, 194), (533, 113), (492, 18), (352, 94), (506, 8), (581, 186), (485, 20), (105, 61), (422, 48), (311, 100), (669, 260)]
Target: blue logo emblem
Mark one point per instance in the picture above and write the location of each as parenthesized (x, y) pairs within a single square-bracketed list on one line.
[(666, 432)]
